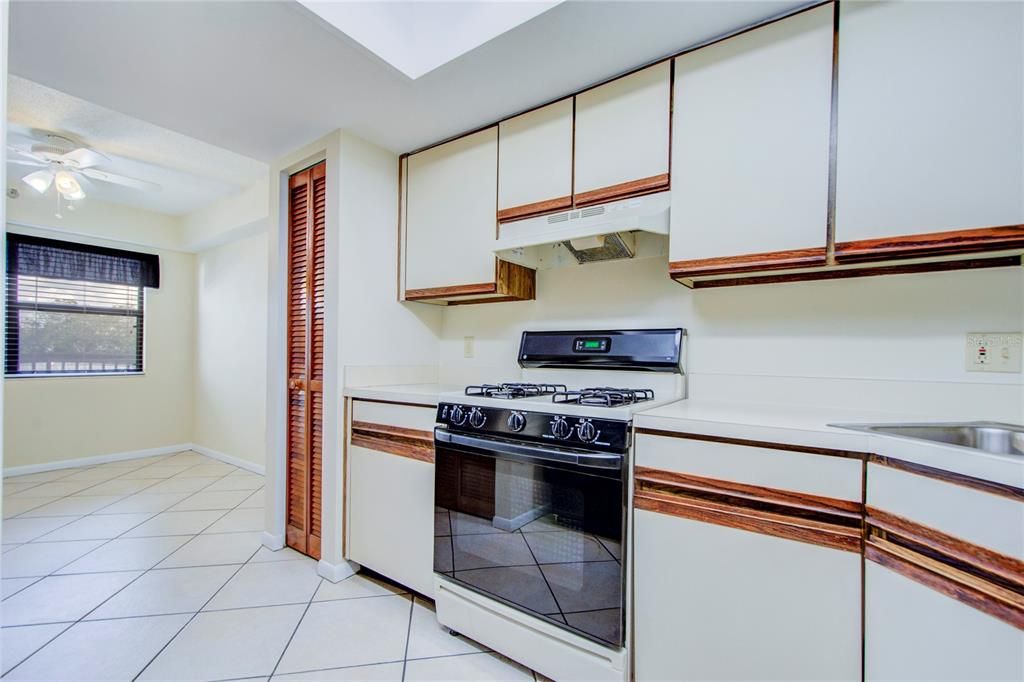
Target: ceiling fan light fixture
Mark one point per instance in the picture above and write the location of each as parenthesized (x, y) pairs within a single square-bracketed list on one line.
[(74, 196), (39, 181), (67, 185)]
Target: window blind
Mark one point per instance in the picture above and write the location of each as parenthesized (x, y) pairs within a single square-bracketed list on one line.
[(75, 308)]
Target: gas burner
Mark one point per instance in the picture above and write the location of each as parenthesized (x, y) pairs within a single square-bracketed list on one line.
[(512, 391), (604, 396)]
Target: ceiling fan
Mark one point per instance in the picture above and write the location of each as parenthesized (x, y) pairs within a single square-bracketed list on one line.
[(64, 164)]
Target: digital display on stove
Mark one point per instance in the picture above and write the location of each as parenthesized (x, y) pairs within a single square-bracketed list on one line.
[(592, 345)]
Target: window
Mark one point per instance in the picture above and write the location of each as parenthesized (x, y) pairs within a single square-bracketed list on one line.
[(75, 308)]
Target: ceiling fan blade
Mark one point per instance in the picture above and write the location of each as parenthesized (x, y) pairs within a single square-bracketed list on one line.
[(27, 154), (119, 179), (40, 181), (26, 162), (84, 158)]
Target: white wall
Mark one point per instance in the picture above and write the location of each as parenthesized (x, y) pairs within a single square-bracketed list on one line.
[(229, 398), (876, 342), (376, 330)]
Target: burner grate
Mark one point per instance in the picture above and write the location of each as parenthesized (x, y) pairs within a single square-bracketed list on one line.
[(604, 396), (513, 390)]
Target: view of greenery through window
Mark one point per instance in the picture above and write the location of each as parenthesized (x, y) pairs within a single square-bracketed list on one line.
[(76, 326)]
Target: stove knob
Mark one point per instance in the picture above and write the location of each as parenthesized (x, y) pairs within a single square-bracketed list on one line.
[(516, 422), (477, 417), (560, 428), (587, 431), (458, 415)]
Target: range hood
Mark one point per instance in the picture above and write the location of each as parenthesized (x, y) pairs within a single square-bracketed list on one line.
[(595, 233)]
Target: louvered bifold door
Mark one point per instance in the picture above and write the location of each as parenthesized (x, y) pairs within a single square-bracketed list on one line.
[(306, 252)]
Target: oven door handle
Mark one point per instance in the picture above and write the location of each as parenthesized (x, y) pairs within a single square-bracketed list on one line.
[(530, 453)]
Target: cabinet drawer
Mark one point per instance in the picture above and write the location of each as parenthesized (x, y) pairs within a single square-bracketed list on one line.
[(799, 472), (394, 414), (987, 519)]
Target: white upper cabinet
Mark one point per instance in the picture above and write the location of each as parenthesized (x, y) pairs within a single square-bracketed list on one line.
[(750, 142), (622, 136), (931, 118), (535, 161), (450, 223)]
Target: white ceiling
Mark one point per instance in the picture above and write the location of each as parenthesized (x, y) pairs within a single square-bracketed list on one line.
[(265, 78), (191, 174), (418, 37)]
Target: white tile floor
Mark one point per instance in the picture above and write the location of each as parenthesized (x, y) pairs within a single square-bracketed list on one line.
[(153, 569)]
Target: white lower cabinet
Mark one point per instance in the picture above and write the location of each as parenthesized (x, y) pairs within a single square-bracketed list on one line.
[(718, 603), (391, 509), (913, 632)]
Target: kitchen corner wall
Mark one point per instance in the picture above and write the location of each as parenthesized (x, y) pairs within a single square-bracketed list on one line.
[(893, 343), (229, 399)]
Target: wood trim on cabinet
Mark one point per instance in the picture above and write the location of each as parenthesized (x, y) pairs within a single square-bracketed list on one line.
[(535, 209), (752, 262), (843, 273), (512, 282), (999, 602), (655, 183), (811, 519), (849, 454), (396, 440), (789, 498), (1001, 489), (989, 561), (952, 242), (447, 292)]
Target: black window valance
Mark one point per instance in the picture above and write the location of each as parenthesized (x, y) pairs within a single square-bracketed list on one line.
[(39, 257)]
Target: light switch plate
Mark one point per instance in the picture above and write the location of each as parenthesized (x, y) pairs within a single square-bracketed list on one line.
[(994, 351), (467, 346)]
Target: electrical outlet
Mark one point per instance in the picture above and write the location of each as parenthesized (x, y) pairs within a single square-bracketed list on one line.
[(467, 346), (993, 351)]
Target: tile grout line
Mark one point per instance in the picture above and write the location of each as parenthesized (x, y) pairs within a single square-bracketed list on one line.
[(233, 608), (88, 487), (295, 629), (121, 535), (84, 616), (182, 628), (408, 634)]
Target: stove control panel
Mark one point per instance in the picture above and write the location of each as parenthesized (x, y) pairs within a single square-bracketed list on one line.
[(558, 430)]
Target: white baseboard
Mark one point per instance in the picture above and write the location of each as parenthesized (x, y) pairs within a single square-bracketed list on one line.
[(273, 542), (229, 459), (96, 459), (336, 572)]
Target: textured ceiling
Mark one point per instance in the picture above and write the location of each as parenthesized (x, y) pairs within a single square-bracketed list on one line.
[(264, 78), (192, 174)]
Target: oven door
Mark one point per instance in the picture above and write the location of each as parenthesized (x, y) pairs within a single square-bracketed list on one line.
[(538, 528)]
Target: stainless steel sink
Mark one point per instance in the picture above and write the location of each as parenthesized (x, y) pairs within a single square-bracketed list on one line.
[(992, 437)]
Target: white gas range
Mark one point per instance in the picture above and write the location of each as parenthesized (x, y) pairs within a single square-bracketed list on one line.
[(532, 496)]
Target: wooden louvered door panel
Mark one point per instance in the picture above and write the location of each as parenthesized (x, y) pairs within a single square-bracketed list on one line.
[(306, 254)]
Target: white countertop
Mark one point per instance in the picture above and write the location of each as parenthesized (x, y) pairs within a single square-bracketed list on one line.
[(419, 394), (808, 426)]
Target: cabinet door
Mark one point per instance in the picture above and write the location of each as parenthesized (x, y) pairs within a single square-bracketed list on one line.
[(622, 136), (944, 581), (750, 149), (913, 632), (718, 603), (392, 516), (931, 127), (451, 214), (390, 491), (747, 562), (535, 162)]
